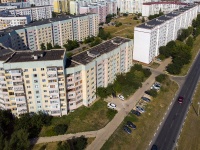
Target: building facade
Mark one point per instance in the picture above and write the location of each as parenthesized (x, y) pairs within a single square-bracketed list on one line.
[(152, 8), (36, 13), (40, 2), (47, 81), (7, 21), (149, 36), (54, 31), (61, 6)]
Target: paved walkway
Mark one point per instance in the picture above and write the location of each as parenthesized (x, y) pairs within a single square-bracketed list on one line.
[(124, 108)]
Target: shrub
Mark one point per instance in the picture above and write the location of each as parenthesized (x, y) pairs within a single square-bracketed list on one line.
[(153, 92), (60, 129), (161, 78)]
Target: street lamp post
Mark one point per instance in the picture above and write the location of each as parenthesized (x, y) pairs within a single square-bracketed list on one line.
[(198, 108)]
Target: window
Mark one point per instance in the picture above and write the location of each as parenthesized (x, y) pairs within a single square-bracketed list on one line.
[(37, 92), (34, 69), (45, 90), (37, 96), (35, 81), (29, 92), (27, 81), (38, 101), (46, 101), (43, 74), (25, 70), (42, 69), (36, 86), (52, 86), (30, 97), (28, 87), (44, 85), (43, 80), (35, 75), (26, 76)]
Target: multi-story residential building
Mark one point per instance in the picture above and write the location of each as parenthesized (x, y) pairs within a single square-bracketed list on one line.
[(36, 13), (54, 31), (95, 68), (149, 36), (7, 21), (7, 1), (33, 81), (47, 81), (102, 8), (61, 6), (152, 8), (6, 7), (40, 2), (131, 6), (14, 5)]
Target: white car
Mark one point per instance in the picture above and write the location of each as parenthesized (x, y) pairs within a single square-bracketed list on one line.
[(111, 105), (156, 86), (121, 97)]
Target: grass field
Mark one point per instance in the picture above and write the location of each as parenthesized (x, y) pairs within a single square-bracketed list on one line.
[(82, 119), (154, 65), (53, 145), (146, 124), (126, 29), (190, 139), (195, 50)]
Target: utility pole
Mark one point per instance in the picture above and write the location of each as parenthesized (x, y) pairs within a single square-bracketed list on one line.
[(198, 108)]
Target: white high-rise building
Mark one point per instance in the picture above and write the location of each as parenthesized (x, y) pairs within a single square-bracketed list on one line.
[(149, 36)]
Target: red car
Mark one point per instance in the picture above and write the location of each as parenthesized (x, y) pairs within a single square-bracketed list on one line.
[(180, 99)]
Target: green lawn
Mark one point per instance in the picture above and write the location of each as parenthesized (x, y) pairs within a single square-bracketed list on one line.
[(195, 50), (146, 124), (126, 29), (53, 145), (190, 139), (83, 119)]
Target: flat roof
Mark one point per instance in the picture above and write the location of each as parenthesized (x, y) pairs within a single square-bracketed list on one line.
[(28, 56), (31, 7), (5, 53), (91, 54), (159, 20), (165, 2)]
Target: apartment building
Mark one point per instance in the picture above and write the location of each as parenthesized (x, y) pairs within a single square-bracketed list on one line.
[(131, 6), (5, 7), (33, 81), (7, 21), (36, 13), (61, 6), (40, 2), (152, 8), (149, 36), (95, 68), (102, 8), (7, 1), (54, 31)]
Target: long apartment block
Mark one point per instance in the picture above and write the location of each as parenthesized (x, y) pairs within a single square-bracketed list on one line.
[(47, 81), (151, 35), (54, 31)]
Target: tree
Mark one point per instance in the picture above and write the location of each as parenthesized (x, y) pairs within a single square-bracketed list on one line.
[(69, 55), (143, 20), (19, 140), (1, 141), (63, 146), (49, 46), (60, 129), (108, 18), (53, 14), (101, 92), (71, 45), (42, 46), (190, 41), (56, 46), (96, 42), (161, 78), (104, 35), (80, 143)]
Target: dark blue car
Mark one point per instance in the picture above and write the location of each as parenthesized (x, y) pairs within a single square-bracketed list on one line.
[(127, 129)]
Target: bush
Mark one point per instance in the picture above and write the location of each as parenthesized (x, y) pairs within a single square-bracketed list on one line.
[(60, 129), (153, 92), (161, 78)]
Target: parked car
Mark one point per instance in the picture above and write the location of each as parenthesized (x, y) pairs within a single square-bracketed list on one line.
[(147, 92), (121, 97), (131, 125), (180, 99), (111, 105), (145, 99), (156, 86), (135, 112), (154, 147), (127, 129), (140, 109)]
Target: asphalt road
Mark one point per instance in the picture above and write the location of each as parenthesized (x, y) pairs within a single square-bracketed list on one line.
[(168, 134)]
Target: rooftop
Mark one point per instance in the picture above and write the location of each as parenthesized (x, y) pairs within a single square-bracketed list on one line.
[(36, 56), (165, 2), (5, 53), (157, 21), (91, 54)]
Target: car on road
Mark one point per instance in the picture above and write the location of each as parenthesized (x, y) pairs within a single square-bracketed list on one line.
[(111, 105), (127, 129), (135, 112), (145, 99), (131, 125), (140, 109), (180, 99), (121, 97), (154, 147)]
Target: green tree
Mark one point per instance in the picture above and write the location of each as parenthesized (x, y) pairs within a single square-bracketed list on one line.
[(143, 20), (49, 46), (19, 140), (63, 146), (108, 18), (53, 14), (96, 42), (101, 92), (1, 141), (42, 46), (104, 35), (56, 46), (161, 78), (69, 55), (190, 41), (71, 45), (80, 143), (60, 129)]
